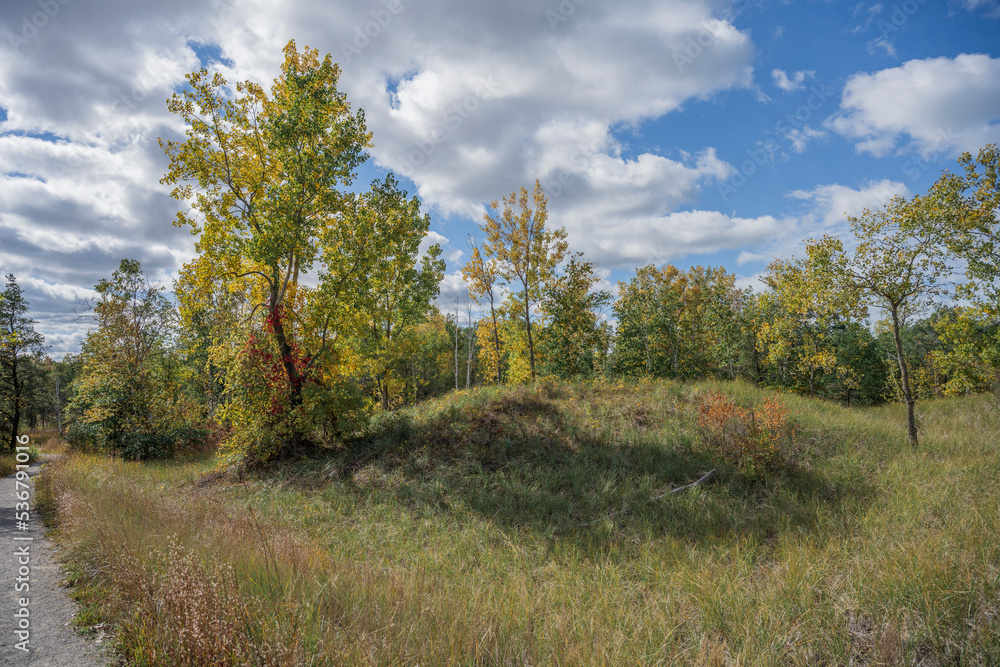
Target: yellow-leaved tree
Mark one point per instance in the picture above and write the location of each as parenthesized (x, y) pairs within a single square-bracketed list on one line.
[(265, 179), (520, 251), (897, 264)]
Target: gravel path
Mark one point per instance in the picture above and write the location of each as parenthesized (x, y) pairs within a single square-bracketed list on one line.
[(51, 639)]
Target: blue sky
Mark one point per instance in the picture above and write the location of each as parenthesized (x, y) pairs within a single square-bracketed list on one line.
[(691, 132)]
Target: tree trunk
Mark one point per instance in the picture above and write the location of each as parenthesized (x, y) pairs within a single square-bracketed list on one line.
[(527, 324), (904, 380), (456, 349), (496, 342), (383, 391), (297, 437), (468, 360)]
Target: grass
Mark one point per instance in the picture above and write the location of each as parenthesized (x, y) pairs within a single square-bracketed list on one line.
[(534, 526)]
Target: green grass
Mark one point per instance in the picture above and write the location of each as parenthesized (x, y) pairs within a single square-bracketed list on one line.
[(533, 525)]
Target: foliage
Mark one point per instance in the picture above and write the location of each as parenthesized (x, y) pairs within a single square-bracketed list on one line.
[(21, 348), (962, 211), (521, 251), (483, 279), (758, 439), (266, 177), (896, 265), (676, 324), (399, 289), (574, 342), (127, 399)]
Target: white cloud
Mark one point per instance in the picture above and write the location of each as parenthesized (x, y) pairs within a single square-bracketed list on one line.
[(468, 100), (833, 203), (620, 242), (991, 8), (931, 106), (824, 212), (793, 83), (800, 137)]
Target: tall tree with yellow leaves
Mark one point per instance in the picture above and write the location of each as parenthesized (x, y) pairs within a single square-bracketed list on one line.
[(521, 251), (265, 177)]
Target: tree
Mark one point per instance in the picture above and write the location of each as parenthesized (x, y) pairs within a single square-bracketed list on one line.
[(573, 339), (21, 345), (483, 279), (522, 251), (805, 312), (121, 396), (961, 210), (969, 352), (265, 177), (399, 290), (676, 324), (897, 264)]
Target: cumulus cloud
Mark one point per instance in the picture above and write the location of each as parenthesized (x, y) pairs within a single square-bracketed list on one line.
[(823, 210), (468, 100), (936, 105), (833, 203), (792, 83)]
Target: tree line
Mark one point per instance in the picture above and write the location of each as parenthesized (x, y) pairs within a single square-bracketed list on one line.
[(310, 306)]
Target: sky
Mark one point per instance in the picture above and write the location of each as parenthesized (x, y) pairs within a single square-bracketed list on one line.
[(711, 132)]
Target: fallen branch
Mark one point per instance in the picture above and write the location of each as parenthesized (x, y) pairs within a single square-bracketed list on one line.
[(707, 477)]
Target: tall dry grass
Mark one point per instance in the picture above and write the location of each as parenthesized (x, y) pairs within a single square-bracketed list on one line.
[(533, 526)]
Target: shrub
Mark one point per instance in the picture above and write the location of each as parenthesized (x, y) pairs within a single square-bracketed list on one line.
[(757, 438)]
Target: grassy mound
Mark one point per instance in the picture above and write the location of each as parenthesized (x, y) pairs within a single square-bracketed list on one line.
[(535, 525)]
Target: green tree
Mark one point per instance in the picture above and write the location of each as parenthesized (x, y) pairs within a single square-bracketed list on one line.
[(266, 178), (21, 346), (399, 290), (522, 252), (122, 397), (805, 312), (483, 279), (677, 324), (961, 210), (896, 264), (573, 340)]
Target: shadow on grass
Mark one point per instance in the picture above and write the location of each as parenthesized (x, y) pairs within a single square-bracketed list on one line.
[(527, 462)]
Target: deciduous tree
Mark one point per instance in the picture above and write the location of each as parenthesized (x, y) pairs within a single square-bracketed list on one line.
[(522, 251), (896, 264), (573, 340), (20, 346), (266, 178)]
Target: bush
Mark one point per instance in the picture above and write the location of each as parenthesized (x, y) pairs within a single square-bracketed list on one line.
[(757, 439)]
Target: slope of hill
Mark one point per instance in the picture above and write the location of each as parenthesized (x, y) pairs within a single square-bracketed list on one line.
[(534, 525)]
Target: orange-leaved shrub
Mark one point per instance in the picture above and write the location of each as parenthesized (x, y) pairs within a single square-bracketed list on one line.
[(759, 438)]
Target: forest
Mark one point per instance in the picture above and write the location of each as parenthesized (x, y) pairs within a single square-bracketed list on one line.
[(311, 308)]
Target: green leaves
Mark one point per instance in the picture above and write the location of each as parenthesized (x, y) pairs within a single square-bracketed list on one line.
[(520, 252), (676, 324), (265, 176)]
